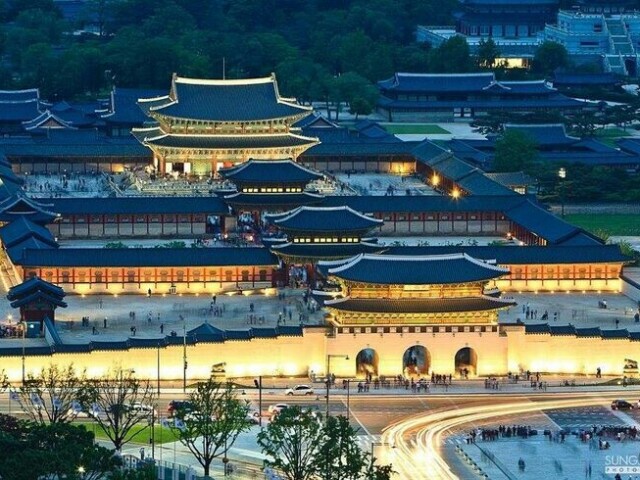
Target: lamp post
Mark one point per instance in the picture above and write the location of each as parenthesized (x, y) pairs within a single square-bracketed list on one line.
[(562, 174), (328, 382), (24, 333), (158, 369), (184, 355)]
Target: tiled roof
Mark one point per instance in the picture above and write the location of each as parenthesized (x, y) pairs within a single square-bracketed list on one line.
[(21, 229), (291, 200), (19, 96), (139, 205), (72, 143), (230, 141), (413, 270), (503, 103), (527, 87), (38, 296), (437, 82), (512, 179), (418, 305), (477, 183), (160, 257), (19, 112), (544, 135), (427, 203), (19, 205), (34, 284), (124, 108), (270, 171), (228, 100), (323, 219), (325, 250), (17, 252), (541, 222), (544, 328), (525, 255)]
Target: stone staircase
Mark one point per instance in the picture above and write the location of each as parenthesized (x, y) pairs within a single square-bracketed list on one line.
[(621, 46)]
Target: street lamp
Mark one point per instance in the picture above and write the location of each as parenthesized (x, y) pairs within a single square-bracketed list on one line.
[(329, 357), (24, 333), (562, 174), (184, 354)]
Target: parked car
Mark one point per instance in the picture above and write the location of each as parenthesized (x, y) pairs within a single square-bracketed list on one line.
[(179, 407), (621, 405), (299, 390), (277, 408)]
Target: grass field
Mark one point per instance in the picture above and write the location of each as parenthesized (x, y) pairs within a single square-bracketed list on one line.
[(162, 435), (414, 128), (621, 224)]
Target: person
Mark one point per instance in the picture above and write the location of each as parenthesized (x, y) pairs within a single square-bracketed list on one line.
[(162, 328), (100, 302), (213, 299), (521, 465), (141, 453), (104, 322), (149, 293), (93, 330)]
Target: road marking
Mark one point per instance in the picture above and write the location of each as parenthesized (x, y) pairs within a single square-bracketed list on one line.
[(352, 414)]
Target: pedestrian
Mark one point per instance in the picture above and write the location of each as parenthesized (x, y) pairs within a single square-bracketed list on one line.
[(162, 328), (93, 330), (142, 453), (100, 302), (214, 298), (149, 293), (104, 322)]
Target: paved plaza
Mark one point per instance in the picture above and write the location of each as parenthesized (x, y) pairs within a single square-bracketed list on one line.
[(169, 312), (543, 458)]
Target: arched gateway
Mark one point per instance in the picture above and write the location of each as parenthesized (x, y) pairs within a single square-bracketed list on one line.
[(466, 362), (367, 363), (416, 361)]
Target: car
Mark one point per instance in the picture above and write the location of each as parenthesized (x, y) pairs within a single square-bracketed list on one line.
[(143, 409), (179, 407), (253, 418), (621, 405), (299, 390), (277, 408)]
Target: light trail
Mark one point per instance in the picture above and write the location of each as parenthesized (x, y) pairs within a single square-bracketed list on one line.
[(424, 461)]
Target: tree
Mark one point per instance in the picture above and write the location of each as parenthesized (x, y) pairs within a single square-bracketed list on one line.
[(515, 151), (356, 91), (487, 53), (292, 443), (453, 56), (49, 396), (582, 123), (217, 417), (52, 451), (549, 56), (340, 457), (115, 401)]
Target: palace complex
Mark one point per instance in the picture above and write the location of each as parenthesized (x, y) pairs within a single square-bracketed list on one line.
[(393, 308)]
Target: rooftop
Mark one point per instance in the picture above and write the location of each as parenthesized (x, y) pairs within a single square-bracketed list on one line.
[(224, 100), (323, 219), (412, 270)]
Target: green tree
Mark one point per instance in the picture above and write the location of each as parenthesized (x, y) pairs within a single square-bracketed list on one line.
[(515, 151), (292, 443), (340, 457), (487, 53), (52, 451), (550, 56), (218, 416), (49, 396), (350, 88), (453, 56), (115, 400), (582, 123)]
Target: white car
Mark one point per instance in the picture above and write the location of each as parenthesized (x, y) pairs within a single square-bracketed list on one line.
[(277, 408), (253, 418), (299, 390), (142, 408), (72, 413)]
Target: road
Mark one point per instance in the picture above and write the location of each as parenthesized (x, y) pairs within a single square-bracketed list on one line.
[(418, 433)]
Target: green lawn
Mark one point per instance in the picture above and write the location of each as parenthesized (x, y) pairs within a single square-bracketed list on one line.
[(621, 224), (414, 128), (162, 435)]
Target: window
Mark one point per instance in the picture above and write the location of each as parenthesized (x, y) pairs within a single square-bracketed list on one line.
[(245, 275), (262, 275)]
